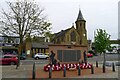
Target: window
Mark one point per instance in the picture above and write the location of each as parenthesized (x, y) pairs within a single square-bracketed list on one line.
[(73, 36), (7, 56), (80, 24), (62, 38), (58, 41), (10, 51), (84, 25), (67, 37)]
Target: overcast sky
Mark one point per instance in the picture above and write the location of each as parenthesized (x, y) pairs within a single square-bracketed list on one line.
[(97, 13)]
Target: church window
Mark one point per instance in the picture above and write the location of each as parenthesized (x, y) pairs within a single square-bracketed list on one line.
[(67, 37), (62, 39), (84, 24), (73, 36), (80, 41), (80, 24), (57, 40)]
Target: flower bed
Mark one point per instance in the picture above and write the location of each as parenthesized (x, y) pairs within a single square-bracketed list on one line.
[(68, 66)]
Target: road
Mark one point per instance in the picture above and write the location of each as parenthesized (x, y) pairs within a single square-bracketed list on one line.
[(27, 66), (109, 57), (30, 62)]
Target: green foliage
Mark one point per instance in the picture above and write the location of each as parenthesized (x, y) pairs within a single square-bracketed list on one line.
[(49, 34), (110, 49), (102, 41)]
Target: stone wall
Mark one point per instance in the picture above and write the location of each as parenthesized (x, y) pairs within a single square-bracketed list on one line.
[(57, 47)]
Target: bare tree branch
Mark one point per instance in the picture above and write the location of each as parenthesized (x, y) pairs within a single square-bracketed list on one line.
[(24, 18)]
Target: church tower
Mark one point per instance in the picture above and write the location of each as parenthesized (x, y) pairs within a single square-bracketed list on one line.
[(81, 28)]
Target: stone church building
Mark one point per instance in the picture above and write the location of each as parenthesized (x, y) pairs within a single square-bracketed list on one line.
[(70, 44), (74, 35)]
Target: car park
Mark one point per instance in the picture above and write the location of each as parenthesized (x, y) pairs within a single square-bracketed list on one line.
[(9, 59), (41, 56)]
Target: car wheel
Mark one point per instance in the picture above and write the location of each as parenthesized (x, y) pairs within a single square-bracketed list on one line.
[(46, 57), (37, 58), (12, 63), (20, 58)]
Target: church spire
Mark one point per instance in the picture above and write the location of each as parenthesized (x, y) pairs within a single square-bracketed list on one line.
[(80, 16)]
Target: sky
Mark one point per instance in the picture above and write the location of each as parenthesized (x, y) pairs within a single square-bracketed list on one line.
[(97, 13)]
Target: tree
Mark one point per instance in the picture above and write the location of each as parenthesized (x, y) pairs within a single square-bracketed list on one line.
[(110, 49), (50, 35), (102, 41), (24, 18)]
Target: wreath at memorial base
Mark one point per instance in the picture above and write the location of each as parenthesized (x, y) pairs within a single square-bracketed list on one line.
[(68, 66), (72, 69)]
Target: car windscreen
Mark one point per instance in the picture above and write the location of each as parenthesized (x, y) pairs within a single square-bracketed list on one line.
[(7, 56)]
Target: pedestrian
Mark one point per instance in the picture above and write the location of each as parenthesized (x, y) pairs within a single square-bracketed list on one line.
[(54, 62), (52, 57), (85, 57)]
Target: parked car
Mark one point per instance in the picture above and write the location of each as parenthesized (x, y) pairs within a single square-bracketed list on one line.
[(109, 64), (9, 59), (23, 56), (89, 55), (41, 56)]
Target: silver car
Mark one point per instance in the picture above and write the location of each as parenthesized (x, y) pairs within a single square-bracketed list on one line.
[(41, 56)]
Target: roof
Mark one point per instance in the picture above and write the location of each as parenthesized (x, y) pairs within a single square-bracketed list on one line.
[(67, 45), (80, 16), (39, 45), (62, 33)]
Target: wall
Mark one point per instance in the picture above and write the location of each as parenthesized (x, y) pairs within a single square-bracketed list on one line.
[(56, 47)]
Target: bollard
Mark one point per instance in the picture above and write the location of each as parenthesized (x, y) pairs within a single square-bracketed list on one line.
[(92, 70), (79, 71), (103, 67), (96, 63), (33, 73), (50, 72), (113, 67), (64, 72), (82, 61), (17, 66)]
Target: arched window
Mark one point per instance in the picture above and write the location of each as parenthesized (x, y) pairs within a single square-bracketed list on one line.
[(80, 24), (58, 41), (73, 36)]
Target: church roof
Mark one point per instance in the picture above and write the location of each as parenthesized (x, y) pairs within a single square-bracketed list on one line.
[(80, 16), (61, 33)]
